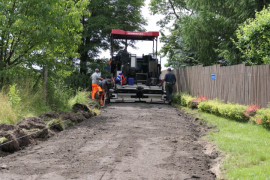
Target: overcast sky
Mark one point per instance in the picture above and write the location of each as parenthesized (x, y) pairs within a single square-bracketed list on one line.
[(145, 47)]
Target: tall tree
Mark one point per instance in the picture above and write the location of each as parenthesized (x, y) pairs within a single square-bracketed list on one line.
[(39, 32), (207, 26), (253, 38), (105, 16), (221, 19), (175, 49)]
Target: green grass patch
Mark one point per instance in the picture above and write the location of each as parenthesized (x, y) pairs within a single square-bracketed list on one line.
[(81, 97), (3, 140), (19, 101), (56, 124), (7, 112), (95, 110), (246, 147)]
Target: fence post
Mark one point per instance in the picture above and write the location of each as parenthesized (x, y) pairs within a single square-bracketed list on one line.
[(45, 83)]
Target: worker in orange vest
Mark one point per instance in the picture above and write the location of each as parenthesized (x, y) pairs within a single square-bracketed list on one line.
[(120, 78), (96, 78)]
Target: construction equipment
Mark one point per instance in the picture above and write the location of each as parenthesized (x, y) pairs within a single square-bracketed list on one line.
[(136, 78)]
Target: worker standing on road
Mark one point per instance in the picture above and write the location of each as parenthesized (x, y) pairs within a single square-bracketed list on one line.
[(96, 78), (105, 84), (170, 81)]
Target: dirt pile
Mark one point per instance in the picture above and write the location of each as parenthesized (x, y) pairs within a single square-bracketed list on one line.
[(32, 129), (35, 127), (11, 133)]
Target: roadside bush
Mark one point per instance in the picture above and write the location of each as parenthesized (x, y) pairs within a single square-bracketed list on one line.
[(186, 99), (210, 106), (263, 117), (232, 111), (255, 119), (177, 98), (194, 103), (251, 110)]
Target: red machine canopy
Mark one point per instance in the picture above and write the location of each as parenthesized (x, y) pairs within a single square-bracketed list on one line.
[(132, 35)]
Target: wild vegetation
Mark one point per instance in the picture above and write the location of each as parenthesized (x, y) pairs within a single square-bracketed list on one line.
[(19, 102)]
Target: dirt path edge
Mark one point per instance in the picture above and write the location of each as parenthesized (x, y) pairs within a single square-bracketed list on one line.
[(209, 148)]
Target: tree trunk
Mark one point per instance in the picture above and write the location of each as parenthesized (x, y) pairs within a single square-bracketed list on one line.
[(45, 83), (83, 63), (35, 87), (1, 76), (83, 51)]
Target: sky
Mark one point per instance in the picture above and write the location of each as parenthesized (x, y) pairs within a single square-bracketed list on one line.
[(145, 47)]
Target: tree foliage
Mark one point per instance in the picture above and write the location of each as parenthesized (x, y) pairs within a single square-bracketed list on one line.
[(175, 49), (206, 27), (253, 38), (102, 17), (39, 32)]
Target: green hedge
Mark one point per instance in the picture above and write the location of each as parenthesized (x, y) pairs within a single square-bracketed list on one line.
[(232, 111), (219, 108), (264, 116), (186, 99)]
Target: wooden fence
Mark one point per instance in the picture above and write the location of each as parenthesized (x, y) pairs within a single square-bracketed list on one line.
[(238, 84)]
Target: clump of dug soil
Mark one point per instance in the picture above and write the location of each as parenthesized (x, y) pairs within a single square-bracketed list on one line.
[(32, 129)]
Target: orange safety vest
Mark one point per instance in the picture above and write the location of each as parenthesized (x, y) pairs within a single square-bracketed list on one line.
[(122, 79)]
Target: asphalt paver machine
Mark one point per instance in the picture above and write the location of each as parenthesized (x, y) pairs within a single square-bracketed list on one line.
[(137, 78)]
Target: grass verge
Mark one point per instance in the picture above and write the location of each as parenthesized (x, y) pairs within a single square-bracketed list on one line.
[(7, 113), (245, 145), (17, 104)]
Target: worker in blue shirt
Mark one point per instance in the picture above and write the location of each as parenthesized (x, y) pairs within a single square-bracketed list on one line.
[(170, 81)]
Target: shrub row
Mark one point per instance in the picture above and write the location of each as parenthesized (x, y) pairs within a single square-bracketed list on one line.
[(263, 117), (232, 111)]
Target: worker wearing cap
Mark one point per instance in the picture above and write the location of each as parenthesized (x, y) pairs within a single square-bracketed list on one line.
[(96, 78), (170, 81)]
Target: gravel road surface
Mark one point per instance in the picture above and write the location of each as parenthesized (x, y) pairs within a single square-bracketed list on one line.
[(126, 142)]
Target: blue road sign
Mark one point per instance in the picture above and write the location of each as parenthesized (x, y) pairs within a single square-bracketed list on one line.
[(213, 76)]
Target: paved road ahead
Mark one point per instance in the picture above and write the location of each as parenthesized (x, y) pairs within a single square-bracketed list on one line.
[(127, 141)]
